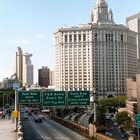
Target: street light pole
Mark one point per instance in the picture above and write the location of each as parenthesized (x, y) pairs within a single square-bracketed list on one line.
[(138, 133), (16, 87), (94, 104), (16, 108), (3, 100), (93, 94)]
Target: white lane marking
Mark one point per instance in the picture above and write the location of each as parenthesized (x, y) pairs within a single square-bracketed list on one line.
[(47, 138), (57, 138)]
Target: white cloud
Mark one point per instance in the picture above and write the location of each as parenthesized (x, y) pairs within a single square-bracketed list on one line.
[(40, 35), (20, 42)]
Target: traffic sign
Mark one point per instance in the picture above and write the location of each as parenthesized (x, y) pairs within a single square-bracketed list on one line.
[(78, 98), (53, 98), (15, 114), (29, 97), (16, 86), (137, 120)]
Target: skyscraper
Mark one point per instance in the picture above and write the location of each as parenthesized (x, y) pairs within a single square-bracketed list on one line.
[(133, 22), (24, 68), (27, 70), (96, 56), (44, 76), (19, 65), (51, 75)]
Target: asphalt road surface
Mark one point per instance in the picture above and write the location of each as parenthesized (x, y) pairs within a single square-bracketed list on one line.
[(48, 130)]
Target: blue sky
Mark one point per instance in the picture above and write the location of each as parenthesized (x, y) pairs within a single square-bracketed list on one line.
[(30, 24)]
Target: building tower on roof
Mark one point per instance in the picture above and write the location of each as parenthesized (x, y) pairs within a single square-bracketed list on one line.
[(100, 13)]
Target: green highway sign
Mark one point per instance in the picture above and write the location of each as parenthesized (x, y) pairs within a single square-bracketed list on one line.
[(78, 98), (29, 97), (53, 98), (137, 120)]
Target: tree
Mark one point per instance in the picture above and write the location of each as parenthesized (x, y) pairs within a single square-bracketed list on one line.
[(123, 119), (9, 93), (100, 115), (115, 102)]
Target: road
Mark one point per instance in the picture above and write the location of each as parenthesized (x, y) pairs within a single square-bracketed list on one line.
[(48, 130), (115, 131)]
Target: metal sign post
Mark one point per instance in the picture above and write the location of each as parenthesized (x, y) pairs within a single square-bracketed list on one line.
[(16, 87), (138, 134), (137, 124)]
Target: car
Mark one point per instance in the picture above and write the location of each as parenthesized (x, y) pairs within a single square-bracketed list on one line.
[(1, 113), (38, 119), (129, 133), (25, 117), (29, 113), (123, 135), (108, 133), (107, 117)]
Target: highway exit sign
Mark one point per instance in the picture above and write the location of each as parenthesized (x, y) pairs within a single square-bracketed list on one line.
[(137, 120), (29, 97), (53, 98), (78, 98)]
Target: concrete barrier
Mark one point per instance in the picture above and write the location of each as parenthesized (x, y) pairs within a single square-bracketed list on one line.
[(19, 131), (85, 131), (20, 134), (102, 137), (19, 122), (74, 126), (20, 138), (20, 128)]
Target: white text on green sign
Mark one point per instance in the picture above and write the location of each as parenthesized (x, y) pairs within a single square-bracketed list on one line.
[(54, 98), (30, 97), (77, 98)]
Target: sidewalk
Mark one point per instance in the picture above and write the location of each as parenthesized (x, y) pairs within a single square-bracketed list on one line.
[(7, 130)]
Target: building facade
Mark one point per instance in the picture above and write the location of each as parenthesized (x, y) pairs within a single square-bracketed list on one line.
[(133, 94), (97, 56), (133, 22), (51, 75), (44, 76), (7, 83), (24, 68), (131, 102), (19, 65), (27, 70)]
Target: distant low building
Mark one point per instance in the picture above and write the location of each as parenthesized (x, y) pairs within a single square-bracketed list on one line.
[(7, 83), (133, 94)]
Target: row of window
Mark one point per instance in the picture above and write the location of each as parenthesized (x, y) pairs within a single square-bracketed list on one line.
[(109, 37), (75, 38)]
